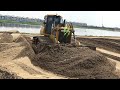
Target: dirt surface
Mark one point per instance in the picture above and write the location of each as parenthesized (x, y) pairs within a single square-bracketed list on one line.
[(109, 45), (54, 62), (105, 43), (80, 62)]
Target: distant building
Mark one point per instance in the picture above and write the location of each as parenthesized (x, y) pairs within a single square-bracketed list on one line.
[(27, 19), (79, 24)]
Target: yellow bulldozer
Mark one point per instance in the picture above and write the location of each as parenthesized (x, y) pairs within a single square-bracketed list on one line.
[(55, 31)]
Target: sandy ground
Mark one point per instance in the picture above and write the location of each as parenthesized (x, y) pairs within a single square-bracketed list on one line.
[(108, 52), (16, 58), (108, 46), (23, 68)]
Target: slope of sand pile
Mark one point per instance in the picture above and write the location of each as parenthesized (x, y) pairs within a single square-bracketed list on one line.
[(79, 62), (16, 36), (7, 75), (6, 38), (11, 51)]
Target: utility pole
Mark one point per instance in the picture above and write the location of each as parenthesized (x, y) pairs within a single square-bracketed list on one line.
[(102, 21)]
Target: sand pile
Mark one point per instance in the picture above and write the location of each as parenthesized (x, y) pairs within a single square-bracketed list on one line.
[(13, 31), (6, 38), (11, 51), (20, 39), (80, 62)]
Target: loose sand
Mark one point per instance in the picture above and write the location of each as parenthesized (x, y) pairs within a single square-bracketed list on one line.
[(81, 63), (71, 62)]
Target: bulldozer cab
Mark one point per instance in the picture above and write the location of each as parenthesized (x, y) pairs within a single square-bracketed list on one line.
[(51, 21)]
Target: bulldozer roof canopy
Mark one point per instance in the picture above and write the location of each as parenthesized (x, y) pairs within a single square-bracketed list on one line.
[(53, 15)]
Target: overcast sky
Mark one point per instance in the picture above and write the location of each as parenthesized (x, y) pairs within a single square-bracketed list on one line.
[(108, 18)]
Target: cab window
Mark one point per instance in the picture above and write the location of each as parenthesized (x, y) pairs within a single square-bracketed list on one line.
[(61, 21)]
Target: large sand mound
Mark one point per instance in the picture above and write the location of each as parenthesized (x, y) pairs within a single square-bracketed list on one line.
[(80, 62), (6, 38), (11, 51)]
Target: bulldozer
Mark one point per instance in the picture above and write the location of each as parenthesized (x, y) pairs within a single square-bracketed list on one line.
[(53, 32)]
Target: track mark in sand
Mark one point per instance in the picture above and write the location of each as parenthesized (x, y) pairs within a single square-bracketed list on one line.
[(27, 68), (117, 63), (108, 52), (110, 56)]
